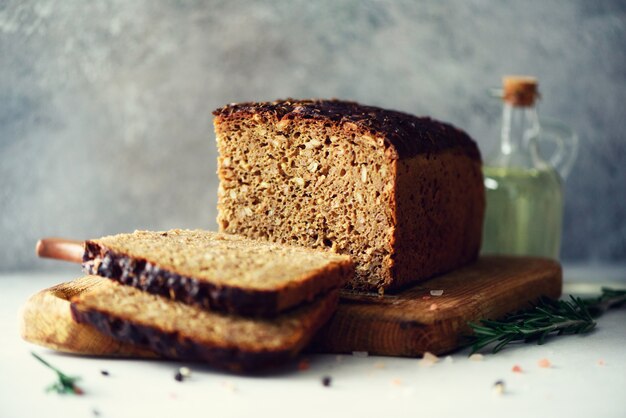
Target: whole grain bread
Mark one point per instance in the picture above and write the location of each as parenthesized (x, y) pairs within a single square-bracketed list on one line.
[(217, 271), (179, 331), (46, 320), (402, 195)]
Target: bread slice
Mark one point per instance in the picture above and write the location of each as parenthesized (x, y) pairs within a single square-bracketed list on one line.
[(46, 320), (179, 331), (402, 195), (217, 271)]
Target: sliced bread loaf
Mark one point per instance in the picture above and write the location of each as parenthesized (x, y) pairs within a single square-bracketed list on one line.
[(46, 320), (402, 195), (179, 331), (217, 271)]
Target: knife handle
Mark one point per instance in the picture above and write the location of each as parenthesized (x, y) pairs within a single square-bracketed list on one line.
[(61, 249)]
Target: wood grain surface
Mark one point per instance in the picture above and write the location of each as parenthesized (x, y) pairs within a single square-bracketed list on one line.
[(46, 320), (407, 323), (413, 321)]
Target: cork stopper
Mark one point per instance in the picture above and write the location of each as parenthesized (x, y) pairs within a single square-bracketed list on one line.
[(521, 91)]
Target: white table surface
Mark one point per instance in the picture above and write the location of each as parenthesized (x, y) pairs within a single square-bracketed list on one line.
[(587, 377)]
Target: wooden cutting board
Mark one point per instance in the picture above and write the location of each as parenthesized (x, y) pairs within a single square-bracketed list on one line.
[(46, 320), (407, 323), (413, 321)]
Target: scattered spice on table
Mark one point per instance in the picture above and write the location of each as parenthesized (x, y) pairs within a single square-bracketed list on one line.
[(499, 387), (428, 359), (476, 357), (182, 374), (517, 369), (601, 362), (326, 381), (104, 372), (433, 307), (425, 297), (544, 363)]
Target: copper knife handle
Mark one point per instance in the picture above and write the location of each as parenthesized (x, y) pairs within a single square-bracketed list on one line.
[(61, 249)]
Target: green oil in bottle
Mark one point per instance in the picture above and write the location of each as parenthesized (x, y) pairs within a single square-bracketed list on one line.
[(524, 211)]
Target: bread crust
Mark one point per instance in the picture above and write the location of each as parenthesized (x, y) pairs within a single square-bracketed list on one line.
[(224, 353), (148, 276), (406, 134), (438, 218)]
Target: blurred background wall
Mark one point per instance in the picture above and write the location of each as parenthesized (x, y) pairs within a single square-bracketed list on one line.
[(105, 121)]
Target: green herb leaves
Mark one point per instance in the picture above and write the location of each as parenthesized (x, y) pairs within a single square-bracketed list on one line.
[(547, 317), (65, 383)]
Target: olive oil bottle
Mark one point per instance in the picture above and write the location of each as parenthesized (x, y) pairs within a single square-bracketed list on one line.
[(524, 192), (524, 211)]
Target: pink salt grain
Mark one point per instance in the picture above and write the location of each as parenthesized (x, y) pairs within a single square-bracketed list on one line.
[(545, 363), (516, 369), (433, 307)]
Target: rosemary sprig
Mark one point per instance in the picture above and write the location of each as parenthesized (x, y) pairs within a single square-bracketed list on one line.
[(608, 299), (547, 317), (65, 383)]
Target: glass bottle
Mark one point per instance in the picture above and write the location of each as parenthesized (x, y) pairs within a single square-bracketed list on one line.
[(524, 192)]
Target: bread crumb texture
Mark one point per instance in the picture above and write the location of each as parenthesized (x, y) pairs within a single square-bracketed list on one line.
[(225, 259), (193, 326), (401, 195)]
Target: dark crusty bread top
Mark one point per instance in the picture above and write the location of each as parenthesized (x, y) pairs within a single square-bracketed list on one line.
[(408, 135), (179, 331), (217, 271)]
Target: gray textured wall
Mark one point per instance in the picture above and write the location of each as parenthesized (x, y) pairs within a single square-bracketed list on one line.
[(105, 106)]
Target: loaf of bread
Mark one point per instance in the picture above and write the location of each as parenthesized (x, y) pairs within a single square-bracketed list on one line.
[(217, 271), (179, 331), (402, 195)]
